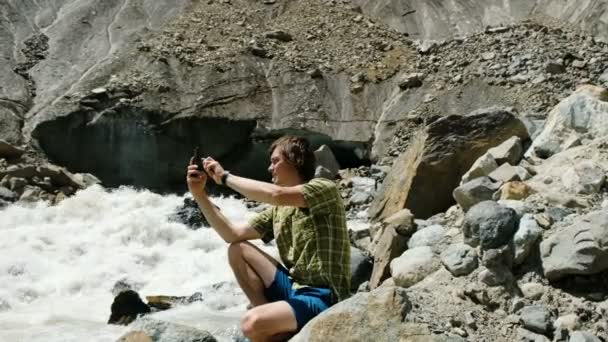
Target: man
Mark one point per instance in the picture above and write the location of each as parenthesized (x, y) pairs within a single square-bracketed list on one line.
[(308, 222)]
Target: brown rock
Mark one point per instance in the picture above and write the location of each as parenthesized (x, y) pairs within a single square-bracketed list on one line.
[(514, 191), (390, 246), (423, 177)]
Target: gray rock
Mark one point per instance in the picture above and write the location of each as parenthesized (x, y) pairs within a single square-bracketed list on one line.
[(537, 318), (524, 335), (160, 331), (580, 248), (494, 277), (390, 245), (384, 309), (509, 151), (584, 111), (359, 198), (579, 64), (526, 237), (555, 68), (532, 291), (519, 79), (489, 225), (604, 77), (7, 195), (428, 236), (279, 35), (584, 178), (459, 259), (413, 80), (475, 191), (583, 336), (360, 267), (323, 172), (325, 157), (413, 266), (487, 56), (505, 173), (8, 150), (570, 322), (482, 167)]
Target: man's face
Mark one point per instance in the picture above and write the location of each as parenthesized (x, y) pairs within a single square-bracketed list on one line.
[(280, 169)]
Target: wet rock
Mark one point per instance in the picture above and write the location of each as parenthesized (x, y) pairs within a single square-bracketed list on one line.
[(127, 305), (459, 259), (413, 266), (536, 318), (580, 248), (526, 237), (189, 214), (478, 190), (489, 225), (7, 195)]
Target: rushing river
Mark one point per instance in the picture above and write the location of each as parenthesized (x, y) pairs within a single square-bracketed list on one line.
[(60, 263)]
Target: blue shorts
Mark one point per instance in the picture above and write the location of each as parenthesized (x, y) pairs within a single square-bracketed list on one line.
[(306, 302)]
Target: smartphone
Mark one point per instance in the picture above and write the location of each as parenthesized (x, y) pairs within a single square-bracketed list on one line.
[(197, 160)]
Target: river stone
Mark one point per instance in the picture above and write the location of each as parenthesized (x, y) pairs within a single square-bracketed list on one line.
[(525, 237), (459, 259), (509, 151), (160, 331), (585, 112), (379, 315), (475, 191), (428, 236), (580, 248), (489, 225), (536, 318), (482, 167), (437, 157), (583, 336), (413, 266), (7, 195)]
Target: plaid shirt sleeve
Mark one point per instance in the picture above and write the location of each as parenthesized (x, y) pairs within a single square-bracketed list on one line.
[(262, 223)]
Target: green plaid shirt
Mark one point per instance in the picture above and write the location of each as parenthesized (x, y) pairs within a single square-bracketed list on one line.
[(313, 242)]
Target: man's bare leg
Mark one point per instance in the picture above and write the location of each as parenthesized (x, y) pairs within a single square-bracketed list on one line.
[(254, 270), (269, 322)]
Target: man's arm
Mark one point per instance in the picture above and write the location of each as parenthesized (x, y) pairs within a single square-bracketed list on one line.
[(226, 230), (257, 190)]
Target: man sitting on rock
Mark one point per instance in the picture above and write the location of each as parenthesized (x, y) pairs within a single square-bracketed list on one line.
[(307, 220)]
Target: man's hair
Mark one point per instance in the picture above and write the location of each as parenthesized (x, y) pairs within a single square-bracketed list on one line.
[(298, 153)]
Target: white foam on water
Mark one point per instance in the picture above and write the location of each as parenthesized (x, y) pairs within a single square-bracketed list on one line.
[(60, 263)]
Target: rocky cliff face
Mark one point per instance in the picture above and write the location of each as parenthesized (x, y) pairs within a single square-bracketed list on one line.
[(120, 87)]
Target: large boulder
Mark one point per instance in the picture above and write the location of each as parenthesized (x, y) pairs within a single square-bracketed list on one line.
[(368, 316), (583, 112), (437, 158), (8, 150), (579, 248)]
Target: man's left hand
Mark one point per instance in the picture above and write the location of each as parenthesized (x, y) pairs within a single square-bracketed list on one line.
[(214, 169)]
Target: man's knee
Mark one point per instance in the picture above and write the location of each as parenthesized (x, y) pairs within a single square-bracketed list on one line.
[(249, 323), (235, 251)]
